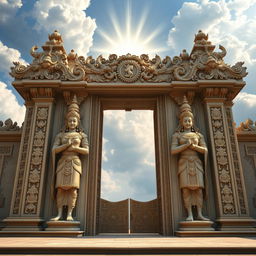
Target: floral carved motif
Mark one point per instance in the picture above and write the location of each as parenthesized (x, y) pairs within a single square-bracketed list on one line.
[(24, 151), (235, 159), (226, 189), (36, 162), (203, 63)]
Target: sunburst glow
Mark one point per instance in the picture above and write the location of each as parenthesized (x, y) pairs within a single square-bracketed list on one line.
[(130, 37)]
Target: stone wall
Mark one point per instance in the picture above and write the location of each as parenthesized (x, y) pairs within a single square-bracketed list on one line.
[(9, 151), (247, 147)]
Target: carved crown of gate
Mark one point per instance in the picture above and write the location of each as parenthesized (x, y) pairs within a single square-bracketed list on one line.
[(203, 63)]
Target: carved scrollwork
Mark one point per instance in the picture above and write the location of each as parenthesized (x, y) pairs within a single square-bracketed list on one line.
[(223, 165), (53, 63)]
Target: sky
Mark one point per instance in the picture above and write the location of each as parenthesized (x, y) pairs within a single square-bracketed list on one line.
[(163, 27)]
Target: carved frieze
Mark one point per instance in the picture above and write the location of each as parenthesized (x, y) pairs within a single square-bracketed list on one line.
[(235, 161), (223, 165), (54, 64), (35, 167)]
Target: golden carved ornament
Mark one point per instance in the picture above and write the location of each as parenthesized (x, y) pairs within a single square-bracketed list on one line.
[(203, 63)]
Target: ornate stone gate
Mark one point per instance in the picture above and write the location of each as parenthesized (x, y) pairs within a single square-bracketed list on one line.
[(128, 82)]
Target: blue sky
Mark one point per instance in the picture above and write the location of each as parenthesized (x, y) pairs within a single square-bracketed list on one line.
[(112, 26)]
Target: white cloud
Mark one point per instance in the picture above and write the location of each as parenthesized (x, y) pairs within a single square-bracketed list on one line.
[(8, 9), (69, 18), (246, 102), (108, 184), (129, 145), (7, 57), (226, 24), (240, 5), (10, 107)]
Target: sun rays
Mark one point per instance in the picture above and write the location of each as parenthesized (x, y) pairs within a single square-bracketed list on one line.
[(127, 35)]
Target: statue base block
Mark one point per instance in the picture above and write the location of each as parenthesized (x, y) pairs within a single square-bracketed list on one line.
[(63, 226), (196, 226)]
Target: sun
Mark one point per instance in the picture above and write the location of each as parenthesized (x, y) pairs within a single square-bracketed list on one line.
[(128, 38)]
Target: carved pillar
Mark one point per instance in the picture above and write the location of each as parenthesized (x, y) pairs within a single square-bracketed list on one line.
[(27, 193), (231, 196)]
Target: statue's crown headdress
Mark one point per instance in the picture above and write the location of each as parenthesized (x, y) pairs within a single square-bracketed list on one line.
[(185, 107), (73, 108)]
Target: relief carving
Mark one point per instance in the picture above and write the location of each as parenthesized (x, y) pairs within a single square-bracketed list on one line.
[(189, 143), (223, 167), (21, 171), (35, 168), (70, 144), (234, 151), (203, 63)]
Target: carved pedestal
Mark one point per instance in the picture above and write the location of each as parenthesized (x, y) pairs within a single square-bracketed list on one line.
[(64, 228), (196, 226), (27, 193)]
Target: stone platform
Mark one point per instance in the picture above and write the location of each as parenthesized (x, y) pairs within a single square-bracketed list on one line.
[(127, 245)]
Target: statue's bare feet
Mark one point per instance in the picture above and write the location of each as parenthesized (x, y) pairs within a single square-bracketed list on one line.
[(70, 218), (55, 218), (189, 218), (201, 217)]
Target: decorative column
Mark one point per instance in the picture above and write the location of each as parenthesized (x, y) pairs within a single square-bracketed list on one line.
[(231, 199), (25, 212)]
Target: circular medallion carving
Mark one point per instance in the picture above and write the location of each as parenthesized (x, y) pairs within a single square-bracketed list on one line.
[(128, 71)]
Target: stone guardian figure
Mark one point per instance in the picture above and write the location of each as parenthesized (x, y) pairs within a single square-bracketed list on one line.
[(69, 144), (189, 144)]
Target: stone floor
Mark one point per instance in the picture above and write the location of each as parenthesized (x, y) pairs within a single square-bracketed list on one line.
[(128, 245)]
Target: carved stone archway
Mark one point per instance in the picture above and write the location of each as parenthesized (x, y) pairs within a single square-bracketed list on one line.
[(129, 82)]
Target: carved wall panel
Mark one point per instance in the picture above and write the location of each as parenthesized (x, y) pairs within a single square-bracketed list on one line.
[(236, 163), (223, 172), (36, 160), (23, 154), (113, 216), (248, 156), (251, 151), (8, 161), (5, 150), (144, 216)]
